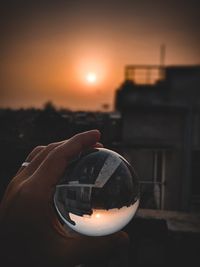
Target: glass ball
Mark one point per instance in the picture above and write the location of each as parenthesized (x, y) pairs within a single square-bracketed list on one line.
[(98, 194)]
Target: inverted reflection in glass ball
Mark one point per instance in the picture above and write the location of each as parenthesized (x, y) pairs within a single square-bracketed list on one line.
[(98, 194)]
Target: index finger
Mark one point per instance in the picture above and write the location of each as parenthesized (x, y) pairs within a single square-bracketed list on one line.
[(52, 168)]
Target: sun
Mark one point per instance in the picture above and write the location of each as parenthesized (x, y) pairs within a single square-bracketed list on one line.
[(91, 77)]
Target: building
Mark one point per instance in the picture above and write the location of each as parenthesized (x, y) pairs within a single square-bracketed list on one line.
[(160, 108)]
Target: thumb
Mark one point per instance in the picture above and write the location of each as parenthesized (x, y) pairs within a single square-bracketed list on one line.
[(52, 168)]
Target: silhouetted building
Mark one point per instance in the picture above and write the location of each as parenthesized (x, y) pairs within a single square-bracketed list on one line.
[(160, 110)]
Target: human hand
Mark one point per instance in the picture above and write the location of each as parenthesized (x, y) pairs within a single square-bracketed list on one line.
[(31, 234)]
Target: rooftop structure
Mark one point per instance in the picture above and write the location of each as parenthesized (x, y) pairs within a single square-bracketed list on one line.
[(160, 110)]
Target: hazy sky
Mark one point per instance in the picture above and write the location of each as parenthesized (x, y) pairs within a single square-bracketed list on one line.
[(48, 47)]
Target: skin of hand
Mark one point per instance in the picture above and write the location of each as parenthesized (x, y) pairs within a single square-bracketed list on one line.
[(30, 232)]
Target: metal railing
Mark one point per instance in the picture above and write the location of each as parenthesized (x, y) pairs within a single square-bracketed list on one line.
[(144, 74)]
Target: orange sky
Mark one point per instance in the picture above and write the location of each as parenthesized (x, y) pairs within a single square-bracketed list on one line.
[(47, 51)]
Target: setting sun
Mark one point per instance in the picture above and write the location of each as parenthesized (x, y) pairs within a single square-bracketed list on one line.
[(91, 78)]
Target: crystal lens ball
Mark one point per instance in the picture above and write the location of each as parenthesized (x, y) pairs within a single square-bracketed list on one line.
[(98, 193)]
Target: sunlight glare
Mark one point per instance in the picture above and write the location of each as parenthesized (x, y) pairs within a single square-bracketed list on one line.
[(97, 215), (91, 78)]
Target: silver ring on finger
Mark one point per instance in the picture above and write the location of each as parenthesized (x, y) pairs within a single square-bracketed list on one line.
[(25, 164)]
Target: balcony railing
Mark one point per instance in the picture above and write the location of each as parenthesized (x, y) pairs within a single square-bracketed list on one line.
[(145, 74)]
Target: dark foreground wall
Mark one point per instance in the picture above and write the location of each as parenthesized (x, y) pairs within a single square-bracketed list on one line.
[(160, 238), (164, 238)]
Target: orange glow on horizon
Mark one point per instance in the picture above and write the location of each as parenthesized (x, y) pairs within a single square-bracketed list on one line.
[(34, 73), (48, 56)]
